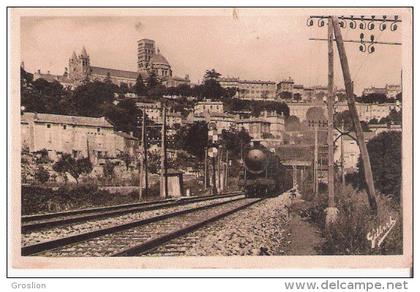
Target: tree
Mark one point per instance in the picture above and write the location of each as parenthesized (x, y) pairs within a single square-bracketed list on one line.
[(385, 159), (193, 139), (108, 79), (395, 116), (42, 96), (399, 97), (124, 116), (152, 81), (344, 119), (93, 98), (373, 121), (124, 88), (374, 98), (286, 95), (211, 87), (234, 140), (139, 87), (365, 126), (108, 169), (67, 164), (211, 74), (42, 175), (297, 96)]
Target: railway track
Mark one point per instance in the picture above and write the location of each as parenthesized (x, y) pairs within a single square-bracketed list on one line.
[(39, 221), (138, 237)]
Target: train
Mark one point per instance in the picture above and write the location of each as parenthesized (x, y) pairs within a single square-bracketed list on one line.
[(262, 173)]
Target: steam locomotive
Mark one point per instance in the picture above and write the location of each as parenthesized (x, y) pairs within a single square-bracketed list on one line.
[(262, 173)]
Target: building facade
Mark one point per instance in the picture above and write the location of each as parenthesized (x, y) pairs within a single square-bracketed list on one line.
[(208, 106), (149, 60), (390, 90), (75, 135), (366, 111), (250, 89), (81, 70)]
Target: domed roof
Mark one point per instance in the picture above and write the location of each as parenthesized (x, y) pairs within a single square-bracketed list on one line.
[(158, 58)]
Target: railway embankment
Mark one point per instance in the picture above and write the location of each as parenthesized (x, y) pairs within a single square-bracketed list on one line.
[(261, 229)]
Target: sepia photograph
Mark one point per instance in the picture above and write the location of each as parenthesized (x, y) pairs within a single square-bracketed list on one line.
[(211, 137)]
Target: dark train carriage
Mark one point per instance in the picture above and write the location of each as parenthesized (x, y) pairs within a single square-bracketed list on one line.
[(262, 173)]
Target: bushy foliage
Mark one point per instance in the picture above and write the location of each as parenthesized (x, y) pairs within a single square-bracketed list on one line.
[(41, 199), (42, 175), (75, 167), (385, 159), (193, 139)]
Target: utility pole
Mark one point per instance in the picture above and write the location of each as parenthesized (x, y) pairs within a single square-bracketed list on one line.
[(343, 175), (205, 167), (214, 187), (365, 45), (227, 168), (316, 161), (164, 159), (144, 144), (219, 174), (331, 210), (140, 177), (353, 111)]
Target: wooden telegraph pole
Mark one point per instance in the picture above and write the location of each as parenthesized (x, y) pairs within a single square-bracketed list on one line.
[(331, 210), (316, 162), (353, 111), (144, 144), (205, 167), (164, 159), (343, 175), (364, 46), (227, 169)]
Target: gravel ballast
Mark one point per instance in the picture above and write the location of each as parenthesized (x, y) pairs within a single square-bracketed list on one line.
[(261, 229)]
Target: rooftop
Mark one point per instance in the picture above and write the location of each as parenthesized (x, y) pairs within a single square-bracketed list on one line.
[(63, 119), (114, 72)]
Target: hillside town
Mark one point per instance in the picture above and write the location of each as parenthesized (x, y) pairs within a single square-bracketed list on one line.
[(167, 138), (277, 114)]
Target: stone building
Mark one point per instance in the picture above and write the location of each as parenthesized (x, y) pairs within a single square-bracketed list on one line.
[(75, 135), (208, 106), (390, 90), (257, 128), (250, 89), (276, 121), (81, 70), (149, 60), (285, 85), (366, 111)]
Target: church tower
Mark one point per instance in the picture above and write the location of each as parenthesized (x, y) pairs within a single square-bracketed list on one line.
[(79, 66), (145, 51)]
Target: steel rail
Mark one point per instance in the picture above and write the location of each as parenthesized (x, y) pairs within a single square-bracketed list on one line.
[(59, 242), (154, 243), (97, 213)]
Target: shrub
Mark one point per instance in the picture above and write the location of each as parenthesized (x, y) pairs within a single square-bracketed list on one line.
[(354, 221), (42, 175)]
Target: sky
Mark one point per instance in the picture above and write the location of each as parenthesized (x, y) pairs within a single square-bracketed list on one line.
[(250, 44)]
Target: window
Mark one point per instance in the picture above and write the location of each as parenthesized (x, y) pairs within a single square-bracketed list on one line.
[(48, 126), (64, 127), (98, 130)]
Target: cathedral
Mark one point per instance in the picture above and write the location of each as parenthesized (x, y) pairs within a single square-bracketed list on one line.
[(150, 60)]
